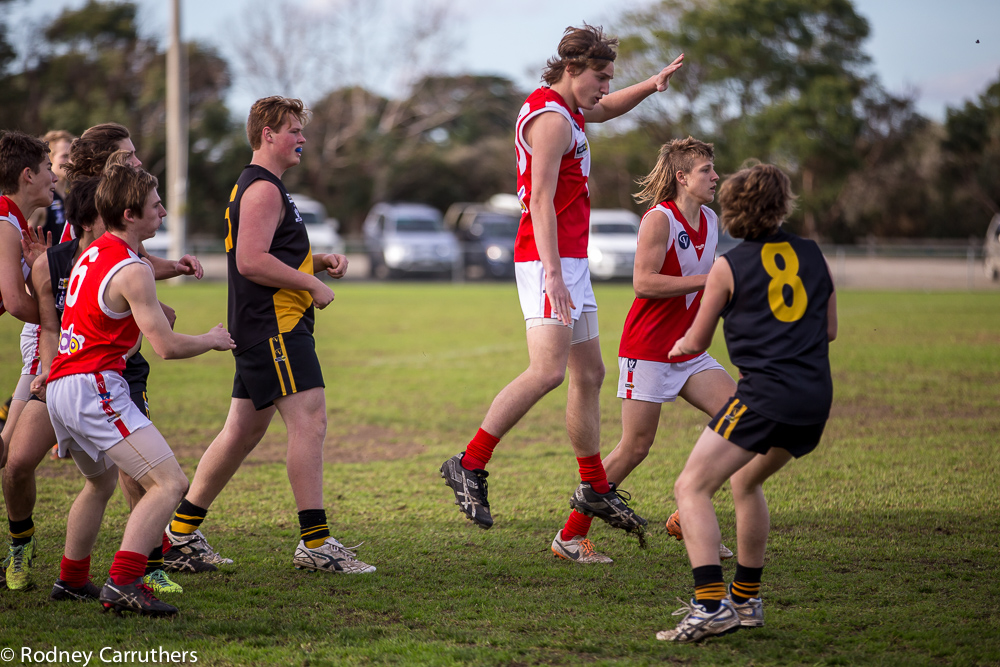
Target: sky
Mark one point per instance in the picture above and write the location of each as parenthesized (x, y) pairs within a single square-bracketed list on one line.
[(923, 47)]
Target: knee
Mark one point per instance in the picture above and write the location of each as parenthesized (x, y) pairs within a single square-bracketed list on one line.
[(550, 378), (637, 449)]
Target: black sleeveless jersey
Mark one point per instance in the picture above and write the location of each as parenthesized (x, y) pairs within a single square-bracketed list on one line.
[(55, 218), (258, 312), (776, 327), (60, 257)]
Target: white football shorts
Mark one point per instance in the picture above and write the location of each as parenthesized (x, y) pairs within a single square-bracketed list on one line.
[(30, 335), (659, 382), (530, 278)]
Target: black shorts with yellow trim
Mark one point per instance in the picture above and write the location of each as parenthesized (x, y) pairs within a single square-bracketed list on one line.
[(280, 366), (743, 427)]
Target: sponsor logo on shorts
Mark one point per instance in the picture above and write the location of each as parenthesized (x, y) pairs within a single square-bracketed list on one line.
[(630, 385), (683, 240), (70, 342)]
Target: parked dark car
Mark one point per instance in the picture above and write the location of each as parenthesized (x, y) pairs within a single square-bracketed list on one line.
[(486, 234)]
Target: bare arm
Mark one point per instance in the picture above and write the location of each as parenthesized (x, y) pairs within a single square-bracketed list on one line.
[(164, 269), (48, 316), (718, 291), (831, 311), (261, 209), (549, 136), (624, 100), (648, 282), (133, 287), (16, 299)]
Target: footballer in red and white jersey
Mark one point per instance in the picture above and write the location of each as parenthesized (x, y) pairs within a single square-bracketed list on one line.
[(654, 325), (93, 337), (572, 197), (10, 213)]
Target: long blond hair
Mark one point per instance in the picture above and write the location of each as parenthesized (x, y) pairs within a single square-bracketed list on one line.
[(676, 155)]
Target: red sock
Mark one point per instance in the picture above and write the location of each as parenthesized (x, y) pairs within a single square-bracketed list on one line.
[(74, 573), (127, 567), (592, 470), (166, 542), (577, 525), (480, 451)]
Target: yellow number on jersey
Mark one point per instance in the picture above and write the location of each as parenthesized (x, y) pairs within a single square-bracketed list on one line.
[(229, 223), (785, 312)]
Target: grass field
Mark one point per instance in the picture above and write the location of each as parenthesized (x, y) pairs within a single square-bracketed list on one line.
[(885, 548)]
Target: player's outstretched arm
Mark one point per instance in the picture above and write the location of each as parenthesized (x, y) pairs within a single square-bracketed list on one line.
[(647, 281), (622, 101), (261, 209), (718, 291), (16, 299), (164, 269), (133, 287)]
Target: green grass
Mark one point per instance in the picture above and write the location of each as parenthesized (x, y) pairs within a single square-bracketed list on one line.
[(884, 548)]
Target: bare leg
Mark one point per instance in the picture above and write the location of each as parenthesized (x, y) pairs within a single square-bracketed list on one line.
[(712, 461), (304, 414), (583, 405), (87, 512), (753, 522), (165, 485), (548, 354), (709, 390), (131, 489), (639, 422), (27, 450), (244, 428)]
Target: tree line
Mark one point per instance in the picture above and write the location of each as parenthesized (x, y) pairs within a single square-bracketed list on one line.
[(783, 81)]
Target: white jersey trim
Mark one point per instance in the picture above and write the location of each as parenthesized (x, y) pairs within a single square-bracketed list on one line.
[(131, 259)]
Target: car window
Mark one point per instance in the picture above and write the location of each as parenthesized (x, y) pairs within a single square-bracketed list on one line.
[(308, 218), (417, 225), (496, 225), (614, 228)]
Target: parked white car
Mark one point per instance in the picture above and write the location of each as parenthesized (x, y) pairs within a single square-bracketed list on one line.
[(322, 231), (404, 238), (613, 237), (160, 245)]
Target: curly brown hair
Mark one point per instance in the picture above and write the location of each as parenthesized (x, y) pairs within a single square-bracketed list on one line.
[(89, 154), (578, 49), (755, 201)]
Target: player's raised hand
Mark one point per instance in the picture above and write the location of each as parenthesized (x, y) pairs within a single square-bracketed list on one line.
[(221, 340), (663, 78), (32, 245)]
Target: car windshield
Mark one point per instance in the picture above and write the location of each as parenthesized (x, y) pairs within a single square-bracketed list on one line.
[(308, 218), (498, 225), (614, 228), (418, 225)]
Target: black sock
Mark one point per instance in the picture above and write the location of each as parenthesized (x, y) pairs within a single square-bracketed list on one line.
[(313, 528), (187, 518), (709, 587), (21, 531), (746, 583)]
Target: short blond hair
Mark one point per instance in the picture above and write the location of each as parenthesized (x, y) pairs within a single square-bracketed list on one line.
[(755, 201), (273, 112)]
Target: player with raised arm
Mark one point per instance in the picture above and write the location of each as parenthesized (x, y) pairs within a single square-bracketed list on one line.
[(273, 291), (776, 296), (553, 277), (676, 248), (110, 302)]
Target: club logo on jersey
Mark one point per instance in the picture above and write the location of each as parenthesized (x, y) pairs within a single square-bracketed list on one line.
[(70, 342), (683, 240), (295, 209), (631, 364), (520, 199)]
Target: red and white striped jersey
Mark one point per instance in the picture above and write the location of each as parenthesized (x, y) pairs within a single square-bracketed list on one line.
[(572, 198), (94, 337), (654, 325), (10, 213)]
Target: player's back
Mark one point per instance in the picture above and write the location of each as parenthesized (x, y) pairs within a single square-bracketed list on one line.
[(776, 327)]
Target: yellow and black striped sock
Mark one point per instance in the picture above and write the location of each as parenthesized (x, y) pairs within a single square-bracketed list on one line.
[(709, 587), (746, 583), (20, 531), (187, 518), (313, 528), (155, 560)]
